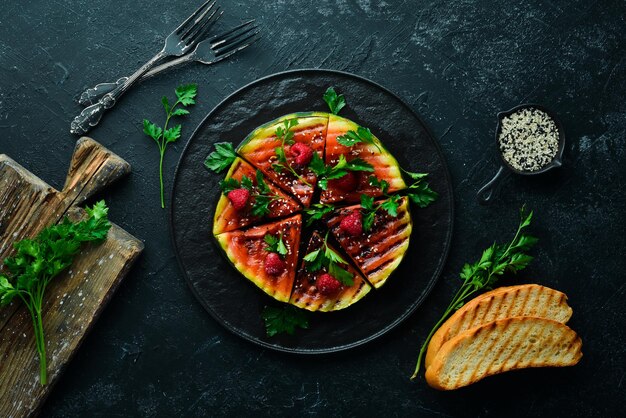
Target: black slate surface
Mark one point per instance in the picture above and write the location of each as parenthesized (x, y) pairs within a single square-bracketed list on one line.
[(155, 352)]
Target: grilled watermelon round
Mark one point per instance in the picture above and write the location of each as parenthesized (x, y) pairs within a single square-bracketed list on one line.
[(379, 251), (370, 257), (385, 165), (259, 148), (227, 218)]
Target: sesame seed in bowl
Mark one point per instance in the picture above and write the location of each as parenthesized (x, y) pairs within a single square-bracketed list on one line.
[(528, 139)]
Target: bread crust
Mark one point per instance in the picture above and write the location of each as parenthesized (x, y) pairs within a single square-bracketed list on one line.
[(499, 304), (500, 346)]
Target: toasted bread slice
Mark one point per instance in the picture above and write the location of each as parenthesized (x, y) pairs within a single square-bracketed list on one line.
[(500, 346), (524, 300)]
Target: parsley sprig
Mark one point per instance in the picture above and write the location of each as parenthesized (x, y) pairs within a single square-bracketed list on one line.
[(335, 101), (316, 212), (220, 159), (185, 96), (275, 244), (362, 134), (285, 135), (419, 191), (369, 208), (325, 257), (483, 274), (283, 320), (330, 172), (37, 261), (261, 195)]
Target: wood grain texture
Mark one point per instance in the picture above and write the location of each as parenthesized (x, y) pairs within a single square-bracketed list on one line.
[(75, 298)]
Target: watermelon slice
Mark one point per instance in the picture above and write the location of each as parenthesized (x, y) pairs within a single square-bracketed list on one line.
[(227, 218), (306, 295), (379, 251), (247, 250), (259, 149), (385, 165)]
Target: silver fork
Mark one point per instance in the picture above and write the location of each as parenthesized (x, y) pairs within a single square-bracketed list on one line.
[(180, 41), (207, 52)]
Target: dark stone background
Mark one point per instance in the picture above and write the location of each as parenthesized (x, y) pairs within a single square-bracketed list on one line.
[(155, 352)]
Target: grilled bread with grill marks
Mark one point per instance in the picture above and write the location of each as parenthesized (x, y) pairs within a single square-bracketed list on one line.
[(524, 300), (500, 346)]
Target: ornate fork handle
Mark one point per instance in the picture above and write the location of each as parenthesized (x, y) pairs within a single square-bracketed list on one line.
[(90, 116), (94, 94)]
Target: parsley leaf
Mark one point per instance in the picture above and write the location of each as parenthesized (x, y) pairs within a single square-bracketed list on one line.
[(362, 134), (37, 261), (334, 101), (325, 257), (340, 169), (229, 184), (220, 159), (185, 95), (152, 130), (483, 274), (283, 320), (317, 212), (275, 244)]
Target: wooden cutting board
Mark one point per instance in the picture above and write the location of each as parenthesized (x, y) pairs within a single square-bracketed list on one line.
[(75, 298)]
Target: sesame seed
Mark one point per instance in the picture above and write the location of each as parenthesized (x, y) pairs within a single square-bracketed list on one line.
[(528, 139)]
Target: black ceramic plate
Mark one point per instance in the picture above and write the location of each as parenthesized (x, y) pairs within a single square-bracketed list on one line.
[(234, 301)]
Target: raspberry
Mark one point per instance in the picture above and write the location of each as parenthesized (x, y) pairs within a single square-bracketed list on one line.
[(302, 153), (274, 265), (239, 198), (347, 183), (352, 223), (327, 284)]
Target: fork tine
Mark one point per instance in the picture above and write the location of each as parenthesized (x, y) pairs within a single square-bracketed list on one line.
[(235, 36), (201, 30), (225, 34), (235, 43), (234, 51), (198, 17), (183, 25)]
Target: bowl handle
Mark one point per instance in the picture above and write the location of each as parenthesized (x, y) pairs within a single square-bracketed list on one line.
[(486, 193)]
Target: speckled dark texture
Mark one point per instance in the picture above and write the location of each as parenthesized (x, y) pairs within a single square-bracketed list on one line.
[(155, 351), (237, 303)]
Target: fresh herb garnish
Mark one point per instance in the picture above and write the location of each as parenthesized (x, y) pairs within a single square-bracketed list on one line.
[(185, 96), (37, 261), (275, 244), (369, 208), (419, 191), (316, 212), (334, 101), (262, 196), (285, 135), (362, 134), (331, 260), (327, 172), (220, 159), (494, 262), (283, 320)]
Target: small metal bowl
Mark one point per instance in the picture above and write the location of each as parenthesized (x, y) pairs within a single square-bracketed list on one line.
[(486, 193)]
